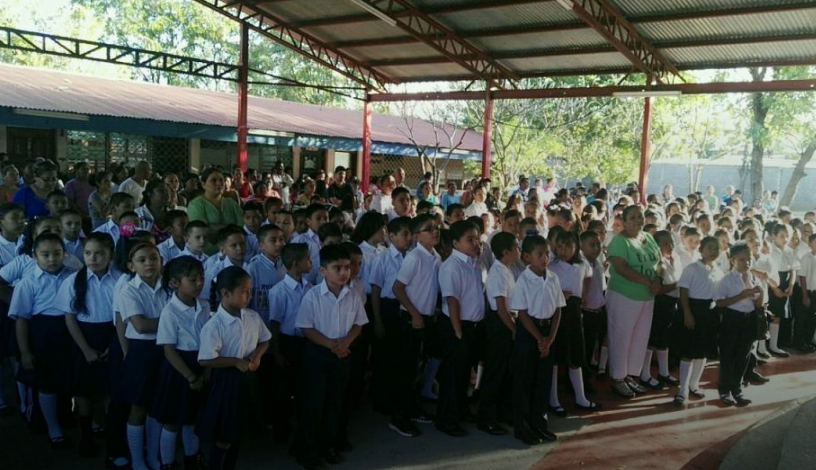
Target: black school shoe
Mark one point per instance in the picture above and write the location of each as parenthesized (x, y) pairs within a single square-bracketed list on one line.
[(527, 437), (668, 380), (545, 435), (404, 427), (453, 430), (492, 429), (742, 401)]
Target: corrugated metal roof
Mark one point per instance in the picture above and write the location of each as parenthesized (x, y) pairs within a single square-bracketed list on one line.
[(764, 24), (742, 53), (659, 7), (49, 90)]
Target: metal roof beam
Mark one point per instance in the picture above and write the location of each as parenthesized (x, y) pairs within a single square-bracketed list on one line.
[(445, 41), (293, 38)]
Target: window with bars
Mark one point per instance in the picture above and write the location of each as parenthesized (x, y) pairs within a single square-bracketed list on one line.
[(100, 150), (260, 157)]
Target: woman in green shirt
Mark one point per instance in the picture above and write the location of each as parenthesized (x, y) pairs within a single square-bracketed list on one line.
[(634, 257), (213, 208)]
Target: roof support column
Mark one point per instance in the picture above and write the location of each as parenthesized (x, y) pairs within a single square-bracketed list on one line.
[(366, 153), (243, 95), (645, 143), (487, 131)]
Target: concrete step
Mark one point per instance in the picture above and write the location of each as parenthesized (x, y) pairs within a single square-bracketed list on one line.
[(760, 448), (799, 445)]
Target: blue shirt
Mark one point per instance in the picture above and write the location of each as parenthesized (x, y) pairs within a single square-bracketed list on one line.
[(211, 271), (251, 244), (168, 250), (35, 294), (34, 205), (111, 228), (284, 303), (265, 274), (75, 248), (370, 253), (98, 297), (313, 242), (22, 266), (138, 298), (384, 271), (447, 200)]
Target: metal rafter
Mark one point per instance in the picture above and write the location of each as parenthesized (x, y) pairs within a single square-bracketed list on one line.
[(610, 24), (445, 41), (295, 39)]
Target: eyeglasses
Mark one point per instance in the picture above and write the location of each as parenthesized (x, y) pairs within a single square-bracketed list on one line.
[(433, 228)]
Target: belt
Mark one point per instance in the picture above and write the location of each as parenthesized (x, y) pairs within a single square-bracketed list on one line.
[(593, 310), (541, 321)]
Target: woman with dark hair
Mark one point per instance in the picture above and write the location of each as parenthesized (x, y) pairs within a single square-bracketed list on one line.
[(34, 196), (153, 210), (99, 200), (212, 207)]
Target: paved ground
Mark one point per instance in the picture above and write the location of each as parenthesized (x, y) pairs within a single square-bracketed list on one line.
[(644, 433)]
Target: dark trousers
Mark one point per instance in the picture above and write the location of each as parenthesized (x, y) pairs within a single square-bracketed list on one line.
[(532, 379), (285, 381), (459, 356), (737, 335), (495, 390), (803, 321), (403, 353), (323, 381), (594, 331)]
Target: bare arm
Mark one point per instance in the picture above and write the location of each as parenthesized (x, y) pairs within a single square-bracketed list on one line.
[(504, 314), (90, 354), (318, 338), (24, 343), (144, 325), (455, 315)]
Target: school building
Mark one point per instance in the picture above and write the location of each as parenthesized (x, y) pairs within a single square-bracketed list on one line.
[(71, 117)]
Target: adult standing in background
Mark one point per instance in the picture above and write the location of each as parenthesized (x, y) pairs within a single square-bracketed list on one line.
[(633, 282), (99, 200), (241, 184), (283, 182), (11, 183), (212, 207), (34, 196), (135, 185), (399, 177), (382, 201), (450, 196), (339, 190), (79, 189)]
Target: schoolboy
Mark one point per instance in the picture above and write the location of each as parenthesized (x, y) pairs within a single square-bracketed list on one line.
[(804, 314), (331, 318), (500, 328), (266, 268), (538, 299), (71, 221), (56, 202), (12, 224), (195, 240), (253, 213), (510, 220), (174, 245), (316, 217), (287, 340), (286, 222), (401, 203), (271, 208), (330, 234), (120, 203), (460, 331), (232, 249), (688, 251), (454, 213), (594, 304), (299, 220)]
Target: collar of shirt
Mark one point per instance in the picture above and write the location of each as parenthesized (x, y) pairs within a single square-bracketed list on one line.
[(464, 258), (38, 272), (111, 272), (227, 317), (395, 253), (180, 306), (137, 282), (262, 258), (425, 251), (292, 284), (324, 290), (248, 232), (543, 278)]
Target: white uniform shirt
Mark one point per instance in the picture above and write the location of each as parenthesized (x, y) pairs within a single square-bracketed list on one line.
[(539, 296), (74, 248), (783, 260), (381, 203), (284, 303), (763, 264), (211, 274), (370, 253), (8, 250), (180, 324), (670, 272), (685, 257), (252, 248), (138, 298), (168, 250), (186, 252), (722, 262), (332, 316), (476, 209), (571, 276), (227, 336), (313, 242), (700, 280), (595, 299), (121, 283), (111, 228), (500, 283), (460, 277), (98, 296), (265, 273), (384, 270), (35, 294), (807, 269), (732, 285), (420, 273)]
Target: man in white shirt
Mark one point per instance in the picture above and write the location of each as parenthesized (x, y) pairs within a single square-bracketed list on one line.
[(135, 185)]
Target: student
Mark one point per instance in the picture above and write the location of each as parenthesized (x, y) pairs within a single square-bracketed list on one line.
[(141, 302), (593, 307), (285, 220), (271, 208), (120, 203), (478, 206), (24, 263), (804, 321), (369, 234), (688, 251), (416, 288), (253, 214), (460, 333), (232, 344), (699, 337), (538, 298), (86, 300), (665, 313), (575, 276), (316, 216), (56, 202), (739, 293), (71, 221), (331, 318), (393, 327), (287, 340), (454, 213), (401, 203), (232, 247), (175, 243), (180, 381), (329, 234), (42, 335), (299, 220), (500, 329), (12, 223), (195, 240), (784, 266), (723, 263), (266, 268)]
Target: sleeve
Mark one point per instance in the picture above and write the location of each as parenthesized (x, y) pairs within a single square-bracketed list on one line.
[(724, 288), (518, 298), (277, 303), (805, 267), (305, 315), (65, 296), (235, 214), (588, 269), (497, 285), (19, 197), (12, 272), (560, 301), (687, 278), (22, 301), (360, 317), (264, 334), (196, 210), (617, 247), (210, 345), (130, 304), (167, 332), (408, 271), (450, 284), (376, 273)]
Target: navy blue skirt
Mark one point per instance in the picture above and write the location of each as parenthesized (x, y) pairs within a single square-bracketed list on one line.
[(140, 370), (232, 407), (8, 345), (568, 347), (701, 342), (174, 402), (51, 345), (92, 379), (116, 358)]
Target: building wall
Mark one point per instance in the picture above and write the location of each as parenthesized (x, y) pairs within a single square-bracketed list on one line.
[(383, 164)]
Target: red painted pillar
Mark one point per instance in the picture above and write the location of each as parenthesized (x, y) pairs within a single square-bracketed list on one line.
[(645, 143), (487, 132), (366, 145), (243, 79)]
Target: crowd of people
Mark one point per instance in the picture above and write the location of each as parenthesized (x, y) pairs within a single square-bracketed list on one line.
[(243, 301)]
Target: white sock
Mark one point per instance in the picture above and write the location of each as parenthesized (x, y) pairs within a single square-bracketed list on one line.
[(774, 328), (577, 378), (762, 347), (554, 390), (190, 440), (604, 358), (697, 368), (154, 429), (685, 375), (479, 373), (430, 375), (663, 362), (48, 404), (135, 438), (168, 447), (646, 372)]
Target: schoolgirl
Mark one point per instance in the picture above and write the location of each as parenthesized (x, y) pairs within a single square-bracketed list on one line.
[(21, 266), (42, 336), (699, 337), (177, 399), (141, 302), (783, 272), (723, 262), (575, 277), (12, 223), (232, 344), (86, 300)]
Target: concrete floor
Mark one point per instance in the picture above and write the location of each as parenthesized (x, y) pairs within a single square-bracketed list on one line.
[(644, 433)]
